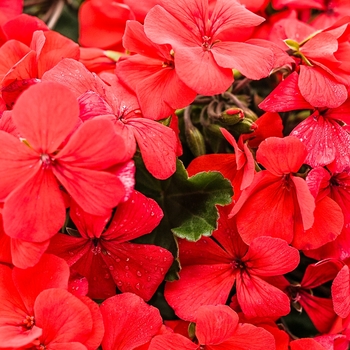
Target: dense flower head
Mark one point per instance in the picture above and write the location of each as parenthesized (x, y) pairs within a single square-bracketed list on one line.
[(179, 181)]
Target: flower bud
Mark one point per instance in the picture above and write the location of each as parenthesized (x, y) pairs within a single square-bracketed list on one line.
[(195, 140), (231, 116)]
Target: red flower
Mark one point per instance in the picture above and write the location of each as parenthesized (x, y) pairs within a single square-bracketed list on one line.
[(277, 203), (322, 79), (152, 69), (37, 310), (325, 140), (23, 66), (205, 53), (334, 187), (113, 101), (136, 323), (210, 268), (107, 258), (217, 327), (31, 171)]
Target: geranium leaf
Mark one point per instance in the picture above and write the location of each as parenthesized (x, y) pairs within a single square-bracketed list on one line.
[(188, 203)]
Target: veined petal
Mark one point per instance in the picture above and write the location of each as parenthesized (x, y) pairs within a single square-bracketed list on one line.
[(50, 272), (228, 15), (45, 114), (62, 316), (258, 298), (27, 254), (55, 48), (320, 89), (95, 146), (268, 256), (137, 216), (341, 293), (255, 65), (215, 324), (199, 70), (137, 268), (128, 309), (285, 97), (83, 184), (199, 285), (18, 163), (325, 140), (157, 144), (35, 211), (177, 27), (281, 155)]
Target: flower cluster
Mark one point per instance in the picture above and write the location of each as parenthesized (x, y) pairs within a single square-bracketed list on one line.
[(180, 179)]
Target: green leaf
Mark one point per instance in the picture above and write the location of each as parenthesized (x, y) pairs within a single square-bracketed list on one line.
[(189, 204)]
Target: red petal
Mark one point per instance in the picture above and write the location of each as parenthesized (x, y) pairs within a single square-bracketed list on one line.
[(45, 114), (320, 273), (285, 97), (281, 155), (18, 164), (268, 256), (328, 224), (258, 298), (256, 337), (137, 216), (128, 309), (265, 192), (306, 343), (50, 272), (157, 144), (325, 140), (95, 145), (175, 25), (18, 337), (320, 311), (55, 48), (27, 254), (137, 268), (44, 211), (341, 293), (215, 324), (172, 341), (199, 285), (98, 330), (83, 184), (191, 62), (62, 316), (258, 64), (320, 89)]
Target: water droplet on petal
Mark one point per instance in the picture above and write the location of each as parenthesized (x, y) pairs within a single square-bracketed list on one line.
[(119, 283), (137, 286), (117, 260), (148, 278), (111, 268), (138, 273), (107, 276), (126, 267)]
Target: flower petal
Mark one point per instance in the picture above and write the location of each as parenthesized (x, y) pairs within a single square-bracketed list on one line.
[(128, 309), (45, 114)]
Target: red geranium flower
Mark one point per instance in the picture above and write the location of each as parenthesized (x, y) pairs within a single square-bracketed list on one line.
[(210, 267), (37, 311), (205, 51), (32, 170), (136, 323), (107, 258), (113, 101), (217, 327)]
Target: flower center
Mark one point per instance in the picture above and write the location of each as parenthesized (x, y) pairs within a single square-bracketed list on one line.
[(238, 264), (46, 161), (206, 43), (29, 322)]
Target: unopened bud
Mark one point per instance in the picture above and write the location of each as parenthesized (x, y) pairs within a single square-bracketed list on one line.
[(246, 126), (231, 116), (195, 140)]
